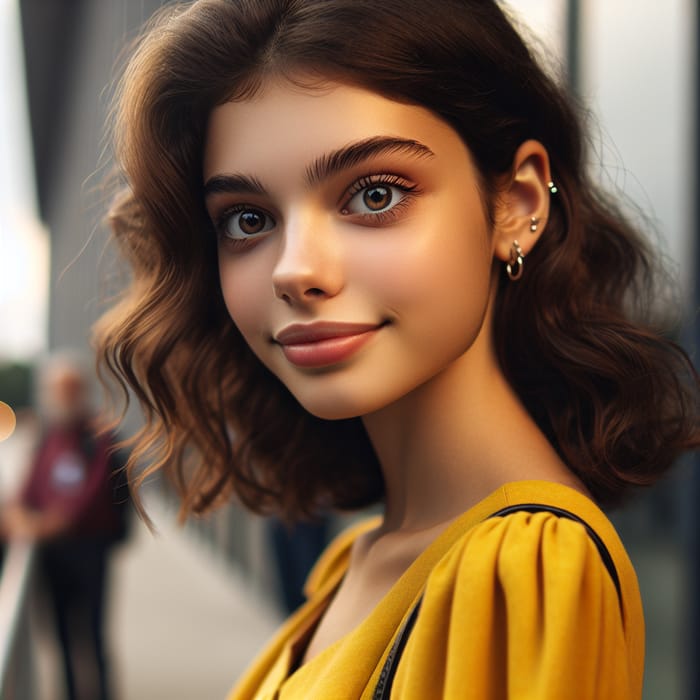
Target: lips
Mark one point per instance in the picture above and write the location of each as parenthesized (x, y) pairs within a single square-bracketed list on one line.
[(298, 333), (323, 343)]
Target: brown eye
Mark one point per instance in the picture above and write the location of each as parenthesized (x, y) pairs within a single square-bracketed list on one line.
[(377, 198), (245, 222), (251, 222)]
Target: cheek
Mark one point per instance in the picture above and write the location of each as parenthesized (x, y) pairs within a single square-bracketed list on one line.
[(437, 289), (443, 270), (245, 288)]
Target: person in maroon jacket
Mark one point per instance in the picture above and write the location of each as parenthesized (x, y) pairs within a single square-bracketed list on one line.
[(74, 505)]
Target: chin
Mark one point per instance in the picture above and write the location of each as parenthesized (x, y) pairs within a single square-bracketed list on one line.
[(343, 408), (332, 406), (332, 410)]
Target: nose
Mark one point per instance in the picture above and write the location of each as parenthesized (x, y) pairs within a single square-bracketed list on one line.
[(309, 267)]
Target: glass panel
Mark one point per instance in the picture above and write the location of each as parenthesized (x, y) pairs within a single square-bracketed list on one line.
[(23, 243), (637, 75), (547, 20)]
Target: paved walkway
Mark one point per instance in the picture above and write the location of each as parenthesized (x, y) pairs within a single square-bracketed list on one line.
[(183, 625)]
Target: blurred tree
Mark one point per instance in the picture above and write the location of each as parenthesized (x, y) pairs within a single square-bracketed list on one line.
[(16, 384)]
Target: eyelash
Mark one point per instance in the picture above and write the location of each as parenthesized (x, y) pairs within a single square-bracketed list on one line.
[(379, 218)]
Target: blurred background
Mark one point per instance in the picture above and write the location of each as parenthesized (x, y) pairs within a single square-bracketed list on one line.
[(187, 608)]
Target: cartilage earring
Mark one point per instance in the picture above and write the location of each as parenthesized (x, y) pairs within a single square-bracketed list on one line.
[(552, 187), (534, 221), (514, 267)]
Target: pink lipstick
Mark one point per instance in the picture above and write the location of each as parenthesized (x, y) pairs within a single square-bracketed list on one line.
[(323, 343)]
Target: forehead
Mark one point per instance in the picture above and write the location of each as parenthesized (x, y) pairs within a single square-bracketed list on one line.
[(284, 121)]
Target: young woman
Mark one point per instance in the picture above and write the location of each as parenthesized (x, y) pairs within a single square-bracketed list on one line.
[(369, 265)]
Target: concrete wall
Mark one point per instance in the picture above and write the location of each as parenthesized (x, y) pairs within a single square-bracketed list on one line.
[(70, 89)]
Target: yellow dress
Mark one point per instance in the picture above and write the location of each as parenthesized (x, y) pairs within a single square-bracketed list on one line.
[(518, 608)]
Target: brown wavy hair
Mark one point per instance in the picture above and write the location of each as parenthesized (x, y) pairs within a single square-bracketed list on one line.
[(617, 400)]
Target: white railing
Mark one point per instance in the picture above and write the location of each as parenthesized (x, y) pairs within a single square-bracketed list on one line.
[(15, 650)]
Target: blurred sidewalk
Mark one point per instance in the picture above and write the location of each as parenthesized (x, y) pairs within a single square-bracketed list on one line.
[(184, 624)]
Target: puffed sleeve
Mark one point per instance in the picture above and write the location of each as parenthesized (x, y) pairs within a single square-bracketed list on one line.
[(521, 608)]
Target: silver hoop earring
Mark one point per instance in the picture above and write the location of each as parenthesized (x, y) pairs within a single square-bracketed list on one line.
[(514, 267)]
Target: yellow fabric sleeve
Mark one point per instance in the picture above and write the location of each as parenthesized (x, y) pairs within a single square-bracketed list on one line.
[(522, 608)]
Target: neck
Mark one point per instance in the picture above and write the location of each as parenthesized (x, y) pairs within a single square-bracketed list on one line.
[(454, 440)]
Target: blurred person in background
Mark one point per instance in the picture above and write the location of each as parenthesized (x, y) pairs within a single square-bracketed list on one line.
[(74, 505), (296, 547)]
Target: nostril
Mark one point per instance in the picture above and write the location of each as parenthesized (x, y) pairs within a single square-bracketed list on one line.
[(314, 292)]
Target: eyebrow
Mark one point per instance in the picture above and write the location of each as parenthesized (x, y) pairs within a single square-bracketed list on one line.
[(233, 184), (342, 159), (324, 167)]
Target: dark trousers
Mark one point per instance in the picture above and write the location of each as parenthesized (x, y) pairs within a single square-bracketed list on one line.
[(296, 549), (75, 577)]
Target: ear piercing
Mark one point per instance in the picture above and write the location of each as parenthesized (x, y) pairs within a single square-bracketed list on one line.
[(534, 221), (514, 267)]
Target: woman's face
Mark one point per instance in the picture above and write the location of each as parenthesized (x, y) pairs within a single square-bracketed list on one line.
[(355, 255)]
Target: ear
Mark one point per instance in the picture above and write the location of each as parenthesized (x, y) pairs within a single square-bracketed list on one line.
[(522, 207)]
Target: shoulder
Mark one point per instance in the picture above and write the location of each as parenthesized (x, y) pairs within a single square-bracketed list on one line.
[(528, 596), (526, 557), (548, 537)]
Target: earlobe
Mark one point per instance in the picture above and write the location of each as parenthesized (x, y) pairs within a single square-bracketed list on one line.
[(522, 207)]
